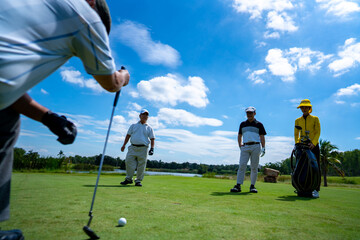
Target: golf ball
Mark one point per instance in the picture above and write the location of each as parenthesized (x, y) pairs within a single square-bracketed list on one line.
[(122, 221)]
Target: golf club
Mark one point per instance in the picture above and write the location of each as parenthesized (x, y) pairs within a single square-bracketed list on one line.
[(87, 228)]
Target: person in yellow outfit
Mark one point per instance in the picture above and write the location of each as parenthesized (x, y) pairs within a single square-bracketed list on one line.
[(312, 124)]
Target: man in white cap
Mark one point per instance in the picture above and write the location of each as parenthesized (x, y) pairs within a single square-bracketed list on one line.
[(251, 135), (140, 135)]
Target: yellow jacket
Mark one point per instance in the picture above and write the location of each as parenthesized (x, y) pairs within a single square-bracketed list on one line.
[(312, 124)]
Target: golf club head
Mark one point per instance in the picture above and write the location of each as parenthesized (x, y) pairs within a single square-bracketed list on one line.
[(90, 233), (298, 127)]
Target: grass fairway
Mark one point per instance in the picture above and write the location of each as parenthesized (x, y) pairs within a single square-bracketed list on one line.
[(55, 206)]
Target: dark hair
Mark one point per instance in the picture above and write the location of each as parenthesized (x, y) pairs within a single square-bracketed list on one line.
[(104, 13)]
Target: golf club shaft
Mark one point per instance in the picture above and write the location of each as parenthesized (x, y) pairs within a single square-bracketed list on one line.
[(103, 155)]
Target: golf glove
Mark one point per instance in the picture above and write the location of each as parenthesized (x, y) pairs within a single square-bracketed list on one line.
[(60, 126), (151, 151), (262, 152)]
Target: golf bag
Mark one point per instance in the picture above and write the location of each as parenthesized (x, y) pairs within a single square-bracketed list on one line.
[(305, 176)]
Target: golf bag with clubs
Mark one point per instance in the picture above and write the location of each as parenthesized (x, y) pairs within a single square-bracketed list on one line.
[(305, 176)]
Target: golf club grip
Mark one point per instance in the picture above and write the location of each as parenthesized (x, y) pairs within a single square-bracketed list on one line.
[(118, 92), (116, 97)]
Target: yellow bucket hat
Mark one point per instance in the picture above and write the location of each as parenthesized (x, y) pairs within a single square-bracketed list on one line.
[(305, 103)]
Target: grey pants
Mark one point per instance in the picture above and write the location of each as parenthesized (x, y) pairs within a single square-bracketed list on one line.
[(9, 132), (251, 152), (136, 158)]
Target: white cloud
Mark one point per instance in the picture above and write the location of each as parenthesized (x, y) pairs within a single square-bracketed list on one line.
[(349, 91), (339, 8), (226, 151), (339, 102), (349, 57), (285, 63), (255, 76), (215, 148), (280, 66), (138, 37), (358, 138), (74, 77), (225, 133), (280, 22), (277, 16), (278, 148), (44, 91), (295, 102), (135, 106), (178, 117), (306, 59), (257, 7), (170, 90), (274, 35)]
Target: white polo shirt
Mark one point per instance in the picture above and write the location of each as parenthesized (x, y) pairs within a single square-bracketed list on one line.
[(251, 131), (39, 36), (141, 133)]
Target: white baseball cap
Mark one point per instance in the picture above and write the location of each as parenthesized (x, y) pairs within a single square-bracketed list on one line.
[(144, 111), (250, 109)]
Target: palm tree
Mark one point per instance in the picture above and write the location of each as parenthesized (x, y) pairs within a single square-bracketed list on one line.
[(327, 152)]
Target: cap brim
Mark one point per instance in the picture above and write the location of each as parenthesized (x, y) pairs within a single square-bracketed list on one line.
[(304, 105)]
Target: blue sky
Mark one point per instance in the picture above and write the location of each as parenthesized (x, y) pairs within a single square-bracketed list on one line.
[(196, 65)]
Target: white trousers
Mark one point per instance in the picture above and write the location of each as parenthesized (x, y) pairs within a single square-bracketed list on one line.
[(251, 152), (136, 158)]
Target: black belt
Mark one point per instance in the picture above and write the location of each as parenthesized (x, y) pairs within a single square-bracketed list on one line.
[(251, 143), (139, 145)]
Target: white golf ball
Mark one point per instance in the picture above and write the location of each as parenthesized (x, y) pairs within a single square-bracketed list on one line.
[(122, 221)]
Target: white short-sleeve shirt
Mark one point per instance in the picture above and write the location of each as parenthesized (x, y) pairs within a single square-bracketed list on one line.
[(140, 133), (39, 36)]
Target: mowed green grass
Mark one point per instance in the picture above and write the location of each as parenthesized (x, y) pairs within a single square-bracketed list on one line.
[(56, 206)]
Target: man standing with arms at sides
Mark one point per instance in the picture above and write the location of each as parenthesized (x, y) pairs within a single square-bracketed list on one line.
[(140, 135), (251, 135), (312, 124), (36, 38)]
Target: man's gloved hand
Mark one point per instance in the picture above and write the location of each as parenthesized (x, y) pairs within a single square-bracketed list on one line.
[(151, 151), (60, 126), (262, 152)]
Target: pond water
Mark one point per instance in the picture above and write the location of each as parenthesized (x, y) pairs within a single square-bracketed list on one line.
[(164, 173), (149, 173)]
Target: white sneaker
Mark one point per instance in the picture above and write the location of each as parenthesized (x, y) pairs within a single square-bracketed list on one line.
[(315, 194)]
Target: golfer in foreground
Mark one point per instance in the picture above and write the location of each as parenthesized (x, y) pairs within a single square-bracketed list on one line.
[(140, 135), (251, 140), (36, 38)]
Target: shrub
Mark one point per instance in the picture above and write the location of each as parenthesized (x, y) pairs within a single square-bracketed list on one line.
[(106, 168), (209, 175), (84, 167)]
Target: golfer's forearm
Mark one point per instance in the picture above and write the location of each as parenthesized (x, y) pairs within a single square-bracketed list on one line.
[(152, 143), (262, 140), (239, 139), (29, 107), (114, 82), (126, 140)]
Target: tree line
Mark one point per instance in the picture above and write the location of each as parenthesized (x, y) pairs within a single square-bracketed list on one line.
[(26, 160), (348, 162)]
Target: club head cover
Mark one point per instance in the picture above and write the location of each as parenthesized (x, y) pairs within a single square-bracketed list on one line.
[(60, 126), (90, 233)]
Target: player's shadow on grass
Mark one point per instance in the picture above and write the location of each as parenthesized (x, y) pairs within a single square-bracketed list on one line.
[(109, 186), (217, 194), (291, 198)]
